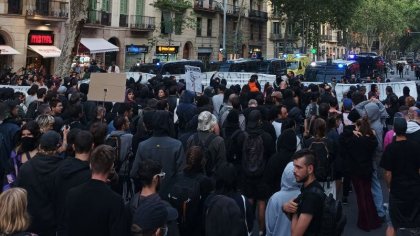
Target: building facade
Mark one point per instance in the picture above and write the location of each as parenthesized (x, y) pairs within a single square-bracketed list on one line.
[(331, 43), (31, 33), (131, 31)]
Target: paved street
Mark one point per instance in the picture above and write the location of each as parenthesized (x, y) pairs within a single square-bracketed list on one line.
[(352, 211)]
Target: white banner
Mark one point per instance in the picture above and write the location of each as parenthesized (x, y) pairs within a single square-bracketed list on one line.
[(23, 89), (193, 78), (242, 78), (397, 87)]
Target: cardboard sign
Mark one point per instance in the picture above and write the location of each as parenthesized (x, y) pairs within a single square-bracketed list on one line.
[(193, 78), (108, 87)]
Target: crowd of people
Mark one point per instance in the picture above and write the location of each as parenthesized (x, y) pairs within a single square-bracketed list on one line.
[(168, 161)]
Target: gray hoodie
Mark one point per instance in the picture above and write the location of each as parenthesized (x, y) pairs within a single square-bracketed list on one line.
[(376, 114), (277, 223)]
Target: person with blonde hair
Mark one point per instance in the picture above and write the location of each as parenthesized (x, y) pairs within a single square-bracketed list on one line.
[(45, 122), (14, 218)]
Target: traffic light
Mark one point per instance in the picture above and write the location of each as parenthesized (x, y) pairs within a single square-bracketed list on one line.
[(313, 50)]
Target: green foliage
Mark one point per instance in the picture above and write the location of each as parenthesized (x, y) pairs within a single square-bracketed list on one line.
[(179, 6)]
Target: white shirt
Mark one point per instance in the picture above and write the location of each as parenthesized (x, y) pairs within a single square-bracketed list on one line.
[(117, 69)]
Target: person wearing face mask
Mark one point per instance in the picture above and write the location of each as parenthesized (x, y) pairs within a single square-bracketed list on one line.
[(26, 149)]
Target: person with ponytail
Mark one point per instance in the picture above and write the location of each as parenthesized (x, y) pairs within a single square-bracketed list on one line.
[(361, 145)]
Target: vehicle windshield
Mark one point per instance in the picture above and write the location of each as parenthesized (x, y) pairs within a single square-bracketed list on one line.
[(292, 65)]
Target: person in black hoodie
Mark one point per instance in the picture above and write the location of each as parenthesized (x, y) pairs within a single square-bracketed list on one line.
[(286, 147), (254, 186), (92, 208), (72, 172), (234, 139), (37, 178)]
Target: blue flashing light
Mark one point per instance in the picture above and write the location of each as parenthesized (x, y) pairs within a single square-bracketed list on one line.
[(284, 56), (158, 64), (297, 55), (352, 56), (340, 65), (313, 64)]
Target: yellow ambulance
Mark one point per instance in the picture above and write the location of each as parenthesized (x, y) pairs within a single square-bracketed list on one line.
[(297, 62)]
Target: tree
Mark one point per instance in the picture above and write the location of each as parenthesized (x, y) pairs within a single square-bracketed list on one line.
[(78, 16), (380, 20)]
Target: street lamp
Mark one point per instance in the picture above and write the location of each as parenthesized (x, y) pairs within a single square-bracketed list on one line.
[(224, 7), (224, 29)]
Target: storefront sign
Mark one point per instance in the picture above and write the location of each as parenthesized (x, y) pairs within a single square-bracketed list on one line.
[(166, 49), (137, 49), (41, 38)]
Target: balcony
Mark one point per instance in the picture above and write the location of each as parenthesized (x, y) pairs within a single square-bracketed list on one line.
[(98, 18), (275, 37), (142, 23), (45, 10), (233, 10), (123, 20), (276, 15), (257, 15), (206, 6), (325, 37)]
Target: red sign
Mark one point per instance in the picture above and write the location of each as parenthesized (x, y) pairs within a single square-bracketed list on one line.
[(40, 38)]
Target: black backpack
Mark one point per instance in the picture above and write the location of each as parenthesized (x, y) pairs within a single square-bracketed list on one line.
[(333, 218), (208, 160), (185, 196), (232, 147), (253, 162), (121, 166), (323, 172)]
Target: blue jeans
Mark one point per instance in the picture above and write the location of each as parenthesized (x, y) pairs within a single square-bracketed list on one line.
[(378, 197)]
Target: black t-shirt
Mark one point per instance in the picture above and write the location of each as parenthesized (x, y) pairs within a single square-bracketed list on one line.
[(311, 202), (403, 160)]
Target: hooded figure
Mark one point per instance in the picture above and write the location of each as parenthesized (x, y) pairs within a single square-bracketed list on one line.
[(286, 147), (168, 151), (277, 222), (376, 113), (186, 109)]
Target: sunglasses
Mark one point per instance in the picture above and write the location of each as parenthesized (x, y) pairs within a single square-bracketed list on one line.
[(161, 175)]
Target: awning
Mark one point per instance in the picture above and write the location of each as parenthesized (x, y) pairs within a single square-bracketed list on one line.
[(7, 50), (98, 45), (46, 51)]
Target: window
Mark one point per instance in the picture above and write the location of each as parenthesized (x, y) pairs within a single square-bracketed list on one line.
[(251, 32), (276, 28), (106, 6), (199, 25), (209, 27), (178, 23), (139, 7), (166, 23), (14, 7), (260, 32), (290, 29), (123, 7), (92, 4)]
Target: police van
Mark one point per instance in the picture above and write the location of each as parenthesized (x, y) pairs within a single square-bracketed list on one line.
[(326, 71)]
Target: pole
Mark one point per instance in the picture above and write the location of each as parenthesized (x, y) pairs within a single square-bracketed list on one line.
[(224, 30)]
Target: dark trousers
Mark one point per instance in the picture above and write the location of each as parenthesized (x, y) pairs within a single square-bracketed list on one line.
[(368, 217)]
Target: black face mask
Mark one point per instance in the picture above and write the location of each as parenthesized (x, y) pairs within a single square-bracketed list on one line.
[(28, 144)]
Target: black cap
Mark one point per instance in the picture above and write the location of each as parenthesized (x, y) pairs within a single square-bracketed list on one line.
[(50, 141), (153, 214)]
